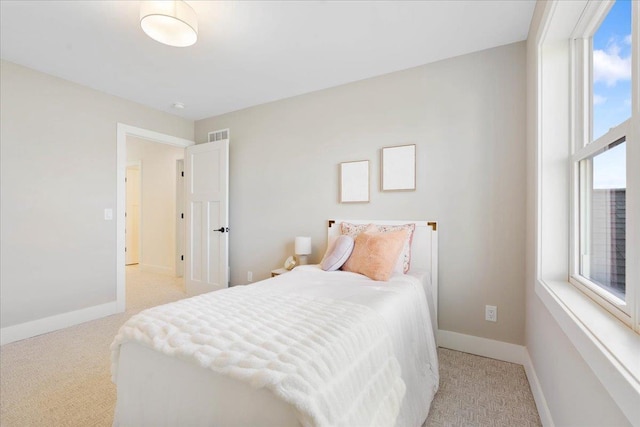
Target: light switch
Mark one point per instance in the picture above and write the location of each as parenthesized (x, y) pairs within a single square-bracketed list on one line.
[(108, 214)]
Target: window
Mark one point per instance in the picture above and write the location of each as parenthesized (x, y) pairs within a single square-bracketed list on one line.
[(611, 70), (602, 222), (605, 91), (559, 60)]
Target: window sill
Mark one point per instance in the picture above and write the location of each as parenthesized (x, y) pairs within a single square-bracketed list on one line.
[(608, 346)]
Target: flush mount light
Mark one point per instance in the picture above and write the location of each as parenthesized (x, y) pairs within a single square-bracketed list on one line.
[(172, 22)]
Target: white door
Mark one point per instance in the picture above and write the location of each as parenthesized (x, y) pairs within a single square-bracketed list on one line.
[(207, 214), (132, 223)]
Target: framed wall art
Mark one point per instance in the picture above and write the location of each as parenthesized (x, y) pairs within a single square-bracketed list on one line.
[(354, 182), (398, 168)]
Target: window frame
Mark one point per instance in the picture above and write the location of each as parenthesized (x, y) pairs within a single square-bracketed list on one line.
[(609, 347), (583, 147)]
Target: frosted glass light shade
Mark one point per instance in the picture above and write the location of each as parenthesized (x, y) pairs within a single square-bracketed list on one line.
[(172, 22), (303, 245)]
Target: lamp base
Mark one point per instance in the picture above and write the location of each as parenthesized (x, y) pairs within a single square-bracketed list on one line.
[(302, 259), (290, 263)]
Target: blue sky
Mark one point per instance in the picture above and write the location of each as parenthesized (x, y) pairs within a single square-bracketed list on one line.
[(612, 90)]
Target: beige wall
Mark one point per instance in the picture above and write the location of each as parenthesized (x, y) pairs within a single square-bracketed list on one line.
[(574, 395), (58, 174), (467, 117), (158, 208)]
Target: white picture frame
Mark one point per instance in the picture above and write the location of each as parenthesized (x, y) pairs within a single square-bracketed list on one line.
[(354, 182), (398, 166)]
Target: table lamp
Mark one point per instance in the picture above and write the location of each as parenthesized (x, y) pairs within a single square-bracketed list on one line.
[(303, 248)]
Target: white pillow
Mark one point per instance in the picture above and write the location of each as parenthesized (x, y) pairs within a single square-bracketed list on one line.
[(337, 253)]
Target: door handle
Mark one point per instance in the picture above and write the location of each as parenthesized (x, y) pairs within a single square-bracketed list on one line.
[(222, 229)]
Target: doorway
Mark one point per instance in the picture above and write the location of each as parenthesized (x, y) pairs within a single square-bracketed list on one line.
[(158, 209), (124, 131)]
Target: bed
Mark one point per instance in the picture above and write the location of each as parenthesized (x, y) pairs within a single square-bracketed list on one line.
[(181, 363)]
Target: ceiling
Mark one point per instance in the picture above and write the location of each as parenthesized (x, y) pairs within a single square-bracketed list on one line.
[(249, 53)]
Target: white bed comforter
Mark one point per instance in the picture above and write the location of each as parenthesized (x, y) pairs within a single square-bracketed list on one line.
[(332, 360), (280, 334)]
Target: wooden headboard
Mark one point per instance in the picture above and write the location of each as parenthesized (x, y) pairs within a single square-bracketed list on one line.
[(424, 249)]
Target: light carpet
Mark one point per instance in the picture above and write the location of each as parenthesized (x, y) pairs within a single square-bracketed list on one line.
[(477, 391), (63, 378)]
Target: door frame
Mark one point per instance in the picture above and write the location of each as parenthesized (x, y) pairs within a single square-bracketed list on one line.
[(124, 130), (134, 164), (180, 219)]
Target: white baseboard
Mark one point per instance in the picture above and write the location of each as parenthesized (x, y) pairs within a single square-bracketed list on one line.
[(501, 351), (482, 346), (53, 323), (538, 395), (159, 269)]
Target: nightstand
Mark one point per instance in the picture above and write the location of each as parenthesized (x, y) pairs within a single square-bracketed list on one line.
[(279, 271)]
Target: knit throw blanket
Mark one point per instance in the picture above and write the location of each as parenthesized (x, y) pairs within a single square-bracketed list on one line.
[(331, 360)]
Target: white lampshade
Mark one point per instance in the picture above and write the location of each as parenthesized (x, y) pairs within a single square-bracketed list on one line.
[(172, 22), (303, 245)]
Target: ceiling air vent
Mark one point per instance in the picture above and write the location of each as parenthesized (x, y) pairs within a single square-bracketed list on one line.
[(218, 135)]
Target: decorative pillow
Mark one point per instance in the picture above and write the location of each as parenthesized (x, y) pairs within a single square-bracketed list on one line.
[(404, 261), (337, 253), (375, 254), (352, 230)]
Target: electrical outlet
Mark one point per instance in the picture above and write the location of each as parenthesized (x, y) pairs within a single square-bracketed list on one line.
[(491, 313), (249, 276)]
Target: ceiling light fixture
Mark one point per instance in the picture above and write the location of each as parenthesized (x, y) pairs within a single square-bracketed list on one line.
[(172, 22)]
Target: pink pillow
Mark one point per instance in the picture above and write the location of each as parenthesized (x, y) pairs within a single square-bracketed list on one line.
[(338, 252), (404, 261), (375, 254)]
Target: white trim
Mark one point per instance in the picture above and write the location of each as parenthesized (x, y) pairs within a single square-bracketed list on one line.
[(133, 164), (579, 215), (124, 130), (612, 135), (633, 175), (608, 347), (485, 347), (180, 219), (592, 16), (154, 136), (53, 323), (536, 389), (586, 147)]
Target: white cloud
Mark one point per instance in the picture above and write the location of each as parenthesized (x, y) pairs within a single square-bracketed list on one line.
[(598, 99), (627, 39), (609, 67)]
